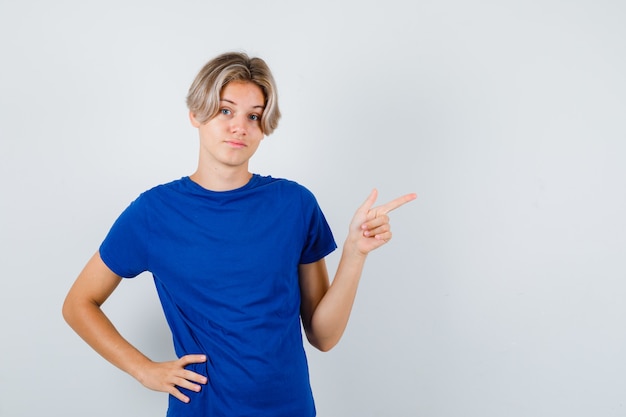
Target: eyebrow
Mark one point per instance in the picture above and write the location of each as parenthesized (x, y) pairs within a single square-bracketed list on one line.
[(232, 102)]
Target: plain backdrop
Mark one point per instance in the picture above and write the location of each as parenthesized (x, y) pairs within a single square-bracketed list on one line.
[(502, 292)]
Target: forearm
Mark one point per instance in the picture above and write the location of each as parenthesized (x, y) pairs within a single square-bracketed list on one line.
[(325, 309), (82, 312), (331, 316), (92, 325)]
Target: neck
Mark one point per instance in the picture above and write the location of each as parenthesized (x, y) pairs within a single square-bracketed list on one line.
[(216, 180)]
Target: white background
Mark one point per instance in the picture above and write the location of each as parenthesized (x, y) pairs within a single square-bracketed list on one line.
[(502, 293)]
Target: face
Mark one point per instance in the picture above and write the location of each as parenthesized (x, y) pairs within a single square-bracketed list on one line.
[(230, 138)]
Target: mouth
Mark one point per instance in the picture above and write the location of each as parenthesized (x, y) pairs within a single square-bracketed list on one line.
[(236, 144)]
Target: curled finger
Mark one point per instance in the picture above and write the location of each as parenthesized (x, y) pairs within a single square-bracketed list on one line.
[(194, 377), (174, 392), (188, 385), (385, 237)]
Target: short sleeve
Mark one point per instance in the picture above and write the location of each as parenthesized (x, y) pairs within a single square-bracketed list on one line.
[(320, 241), (125, 248)]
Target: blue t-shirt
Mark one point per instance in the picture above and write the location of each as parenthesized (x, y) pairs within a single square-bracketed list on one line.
[(225, 265)]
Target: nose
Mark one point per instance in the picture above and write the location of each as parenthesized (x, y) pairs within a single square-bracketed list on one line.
[(238, 125)]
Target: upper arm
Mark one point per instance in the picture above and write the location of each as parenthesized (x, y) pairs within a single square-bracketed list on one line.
[(94, 285), (314, 284)]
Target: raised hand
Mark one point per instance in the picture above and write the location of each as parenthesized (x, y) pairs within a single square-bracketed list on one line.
[(168, 376), (370, 227)]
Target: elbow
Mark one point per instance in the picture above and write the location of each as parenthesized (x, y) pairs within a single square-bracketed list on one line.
[(66, 311), (71, 310), (323, 345), (321, 337)]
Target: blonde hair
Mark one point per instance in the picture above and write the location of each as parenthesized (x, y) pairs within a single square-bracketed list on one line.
[(203, 98)]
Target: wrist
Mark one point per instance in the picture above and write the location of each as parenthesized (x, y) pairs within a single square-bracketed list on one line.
[(351, 250), (139, 369)]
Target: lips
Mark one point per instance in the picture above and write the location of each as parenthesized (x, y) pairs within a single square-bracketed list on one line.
[(236, 143)]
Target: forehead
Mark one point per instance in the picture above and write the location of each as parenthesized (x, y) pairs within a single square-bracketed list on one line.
[(243, 92)]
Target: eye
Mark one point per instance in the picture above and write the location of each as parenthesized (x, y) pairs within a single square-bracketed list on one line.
[(255, 117), (225, 112)]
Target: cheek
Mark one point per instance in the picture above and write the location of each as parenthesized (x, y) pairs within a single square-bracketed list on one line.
[(256, 139), (217, 128), (255, 129)]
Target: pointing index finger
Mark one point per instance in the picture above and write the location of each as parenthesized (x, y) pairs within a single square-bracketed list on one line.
[(394, 204)]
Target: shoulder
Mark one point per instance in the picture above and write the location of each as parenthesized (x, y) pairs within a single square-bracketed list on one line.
[(155, 196), (278, 183), (284, 188), (180, 186)]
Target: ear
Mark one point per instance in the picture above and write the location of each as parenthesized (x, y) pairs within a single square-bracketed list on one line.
[(194, 122)]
